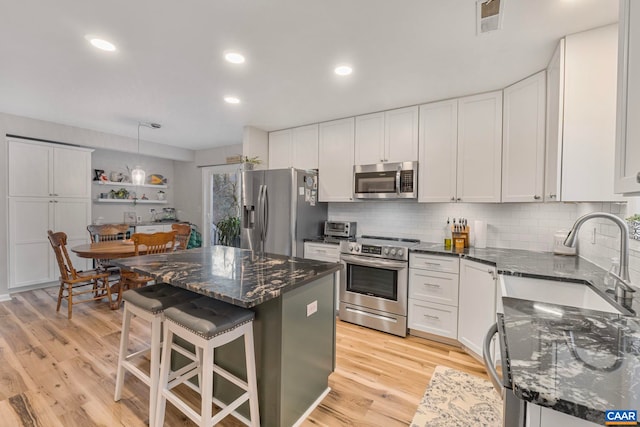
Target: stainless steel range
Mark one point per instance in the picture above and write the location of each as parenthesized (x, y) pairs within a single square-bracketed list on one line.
[(373, 286)]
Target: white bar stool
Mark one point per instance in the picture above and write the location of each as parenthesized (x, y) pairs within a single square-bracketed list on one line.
[(148, 303), (207, 324)]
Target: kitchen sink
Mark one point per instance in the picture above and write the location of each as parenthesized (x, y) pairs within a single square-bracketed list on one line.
[(569, 294)]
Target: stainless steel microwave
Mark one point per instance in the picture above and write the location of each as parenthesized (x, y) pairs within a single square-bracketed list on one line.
[(386, 181)]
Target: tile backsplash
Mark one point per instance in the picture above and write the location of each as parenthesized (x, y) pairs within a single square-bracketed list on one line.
[(509, 225)]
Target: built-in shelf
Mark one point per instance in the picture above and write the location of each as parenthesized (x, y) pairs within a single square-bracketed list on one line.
[(131, 201), (128, 184)]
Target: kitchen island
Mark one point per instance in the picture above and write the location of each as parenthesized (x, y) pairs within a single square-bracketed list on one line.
[(294, 328)]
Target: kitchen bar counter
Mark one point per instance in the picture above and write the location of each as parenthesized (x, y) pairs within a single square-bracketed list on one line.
[(294, 327), (579, 362)]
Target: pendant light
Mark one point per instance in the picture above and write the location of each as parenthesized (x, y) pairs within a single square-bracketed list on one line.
[(137, 174)]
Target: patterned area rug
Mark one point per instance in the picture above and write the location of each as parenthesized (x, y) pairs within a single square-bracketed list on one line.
[(455, 398)]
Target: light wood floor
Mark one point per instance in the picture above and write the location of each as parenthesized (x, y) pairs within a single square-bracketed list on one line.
[(56, 372)]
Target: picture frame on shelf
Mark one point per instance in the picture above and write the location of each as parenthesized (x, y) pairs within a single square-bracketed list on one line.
[(99, 175)]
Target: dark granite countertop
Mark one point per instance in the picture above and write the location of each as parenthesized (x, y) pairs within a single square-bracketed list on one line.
[(576, 361), (233, 275)]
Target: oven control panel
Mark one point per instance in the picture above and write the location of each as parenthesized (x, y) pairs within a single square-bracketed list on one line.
[(378, 251)]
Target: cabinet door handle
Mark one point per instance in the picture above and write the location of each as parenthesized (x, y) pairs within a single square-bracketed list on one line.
[(431, 285), (536, 197), (431, 317), (638, 178), (436, 264), (459, 199), (453, 199), (552, 196)]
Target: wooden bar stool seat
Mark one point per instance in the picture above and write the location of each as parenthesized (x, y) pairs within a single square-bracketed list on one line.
[(207, 324), (147, 303)]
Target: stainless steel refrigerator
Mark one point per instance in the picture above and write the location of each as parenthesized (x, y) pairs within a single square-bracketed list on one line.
[(280, 208)]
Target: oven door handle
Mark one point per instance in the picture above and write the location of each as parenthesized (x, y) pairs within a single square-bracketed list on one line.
[(374, 262), (488, 362)]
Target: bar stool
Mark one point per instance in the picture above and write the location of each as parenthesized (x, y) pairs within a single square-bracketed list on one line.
[(147, 303), (207, 324)]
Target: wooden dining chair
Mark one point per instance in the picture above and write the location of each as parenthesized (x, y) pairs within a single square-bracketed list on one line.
[(155, 243), (105, 233), (74, 283), (183, 233)]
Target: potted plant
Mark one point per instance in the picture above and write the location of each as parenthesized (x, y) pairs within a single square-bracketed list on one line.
[(250, 162), (634, 226), (229, 231)]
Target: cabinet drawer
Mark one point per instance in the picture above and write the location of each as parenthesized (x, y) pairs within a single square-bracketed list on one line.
[(434, 263), (322, 252), (150, 229), (437, 319), (441, 288)]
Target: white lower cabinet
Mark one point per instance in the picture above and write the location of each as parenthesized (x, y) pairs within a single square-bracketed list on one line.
[(327, 252), (433, 295), (476, 304), (31, 258), (150, 229)]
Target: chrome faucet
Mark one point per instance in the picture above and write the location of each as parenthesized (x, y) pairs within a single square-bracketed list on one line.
[(623, 289)]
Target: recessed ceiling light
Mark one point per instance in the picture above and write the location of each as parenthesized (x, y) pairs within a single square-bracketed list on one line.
[(101, 43), (234, 57), (232, 100), (343, 70)]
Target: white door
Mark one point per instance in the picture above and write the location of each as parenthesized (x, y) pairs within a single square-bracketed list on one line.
[(476, 303), (369, 139), (220, 197), (438, 152), (335, 161), (401, 135), (30, 253), (30, 169), (479, 148), (523, 131), (71, 173), (555, 123), (280, 149), (304, 145)]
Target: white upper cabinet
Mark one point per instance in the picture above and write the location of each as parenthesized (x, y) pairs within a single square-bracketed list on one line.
[(369, 145), (305, 147), (555, 124), (627, 160), (479, 148), (589, 130), (335, 160), (523, 130), (437, 165), (44, 170), (389, 136), (297, 147), (280, 153)]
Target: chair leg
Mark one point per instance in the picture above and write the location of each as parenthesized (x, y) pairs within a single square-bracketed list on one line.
[(161, 399), (252, 381), (60, 293), (122, 353), (154, 370), (107, 287), (206, 390), (70, 300)]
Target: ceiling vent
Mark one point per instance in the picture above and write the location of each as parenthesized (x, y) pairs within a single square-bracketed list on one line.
[(489, 15)]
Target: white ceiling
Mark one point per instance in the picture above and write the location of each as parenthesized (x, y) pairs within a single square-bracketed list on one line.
[(169, 67)]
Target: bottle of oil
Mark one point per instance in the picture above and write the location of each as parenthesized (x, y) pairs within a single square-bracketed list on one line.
[(447, 235)]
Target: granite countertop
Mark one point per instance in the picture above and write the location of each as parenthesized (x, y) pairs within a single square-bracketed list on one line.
[(233, 275), (576, 361)]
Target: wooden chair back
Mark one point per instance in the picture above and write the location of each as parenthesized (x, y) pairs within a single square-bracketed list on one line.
[(155, 243), (183, 233), (59, 244), (107, 232)]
